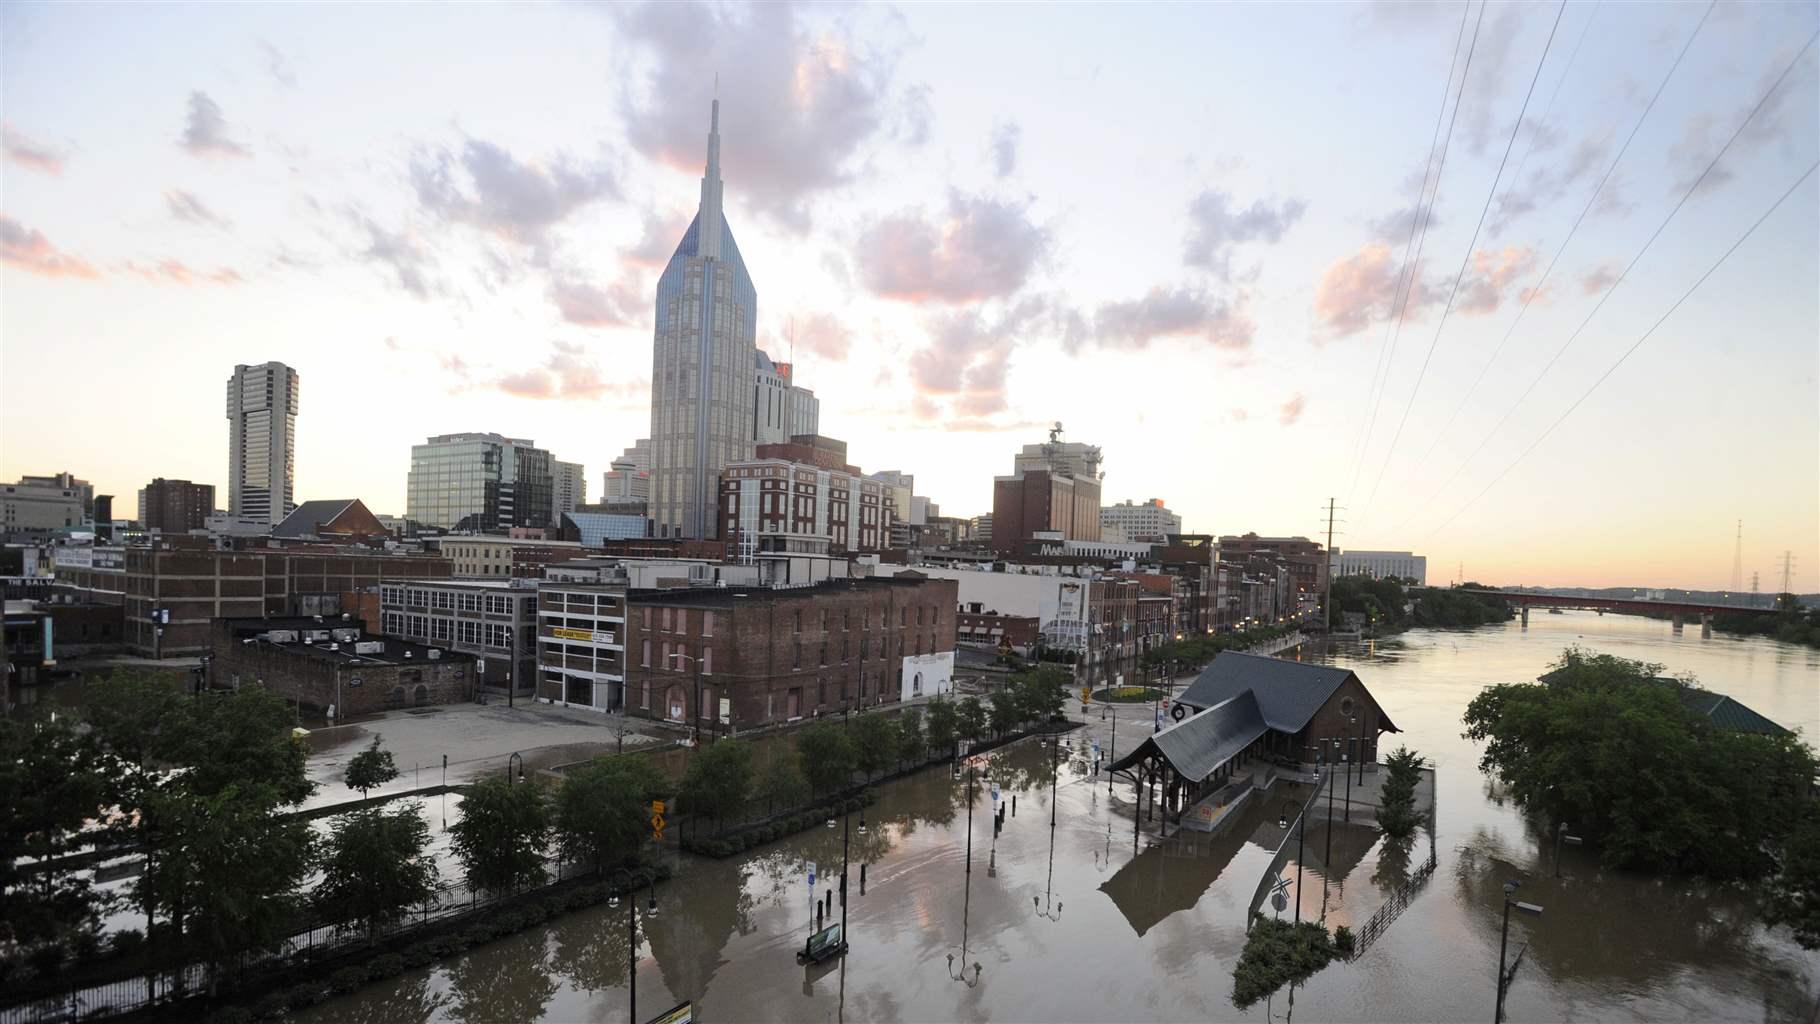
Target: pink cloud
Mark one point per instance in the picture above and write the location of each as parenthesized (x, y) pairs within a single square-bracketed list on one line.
[(1291, 411), (27, 153), (28, 250)]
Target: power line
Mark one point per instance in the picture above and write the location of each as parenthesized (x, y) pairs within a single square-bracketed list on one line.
[(1467, 258), (1634, 345), (1613, 287), (1399, 294), (1536, 289)]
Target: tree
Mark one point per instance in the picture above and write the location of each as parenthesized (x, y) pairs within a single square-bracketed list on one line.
[(229, 870), (370, 769), (718, 780), (55, 782), (375, 865), (601, 815), (942, 725), (1609, 746), (874, 743), (910, 744), (1397, 798), (827, 757), (1004, 713), (502, 833), (782, 784), (1041, 693), (1793, 893), (970, 716), (243, 739)]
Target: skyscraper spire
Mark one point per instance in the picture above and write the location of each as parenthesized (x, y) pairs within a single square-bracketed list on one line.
[(709, 228)]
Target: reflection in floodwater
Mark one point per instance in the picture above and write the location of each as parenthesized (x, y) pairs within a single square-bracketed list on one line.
[(1153, 934)]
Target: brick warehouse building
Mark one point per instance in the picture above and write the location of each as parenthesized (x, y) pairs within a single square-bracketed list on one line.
[(781, 655), (334, 662), (195, 582)]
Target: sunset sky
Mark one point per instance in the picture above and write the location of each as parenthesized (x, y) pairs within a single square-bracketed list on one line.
[(1178, 230)]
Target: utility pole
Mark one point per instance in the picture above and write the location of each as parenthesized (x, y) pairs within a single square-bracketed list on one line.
[(1788, 572), (1327, 596)]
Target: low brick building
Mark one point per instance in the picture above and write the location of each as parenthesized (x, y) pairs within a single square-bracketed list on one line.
[(332, 662), (779, 655), (975, 624)]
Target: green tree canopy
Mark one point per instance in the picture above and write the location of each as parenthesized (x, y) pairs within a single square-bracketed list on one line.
[(1041, 693), (1004, 712), (781, 784), (970, 717), (911, 745), (941, 726), (827, 757), (602, 815), (718, 780), (874, 743), (375, 866), (502, 833), (370, 769), (1397, 797), (56, 783), (1608, 746)]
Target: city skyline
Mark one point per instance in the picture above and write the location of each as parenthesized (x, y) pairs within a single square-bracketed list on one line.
[(1179, 275)]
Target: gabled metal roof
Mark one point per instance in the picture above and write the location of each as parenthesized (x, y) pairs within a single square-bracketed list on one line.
[(1198, 745), (1288, 692)]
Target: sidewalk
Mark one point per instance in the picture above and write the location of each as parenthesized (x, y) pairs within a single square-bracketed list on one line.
[(475, 738)]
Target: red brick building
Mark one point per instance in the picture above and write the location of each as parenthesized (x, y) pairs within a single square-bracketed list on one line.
[(976, 626), (787, 654), (803, 487), (1306, 559), (1038, 501), (177, 506)]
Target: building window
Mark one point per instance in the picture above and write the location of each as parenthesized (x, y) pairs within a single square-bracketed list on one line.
[(796, 660), (669, 662), (903, 617), (824, 654), (707, 661), (707, 623), (644, 653)]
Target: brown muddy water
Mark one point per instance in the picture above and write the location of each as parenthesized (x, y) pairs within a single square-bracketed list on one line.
[(1081, 924)]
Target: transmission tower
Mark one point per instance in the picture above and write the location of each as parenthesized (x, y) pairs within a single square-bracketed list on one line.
[(1788, 572), (1738, 560)]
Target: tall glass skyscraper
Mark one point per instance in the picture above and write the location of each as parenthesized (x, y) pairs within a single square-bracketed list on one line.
[(703, 357), (262, 447), (479, 483)]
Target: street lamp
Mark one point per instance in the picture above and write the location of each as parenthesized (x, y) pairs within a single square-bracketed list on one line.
[(1354, 718), (520, 758), (1561, 834), (1510, 891)]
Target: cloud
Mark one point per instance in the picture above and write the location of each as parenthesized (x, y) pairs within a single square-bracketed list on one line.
[(1490, 275), (170, 271), (1179, 312), (589, 305), (1490, 75), (962, 370), (800, 100), (1291, 411), (488, 188), (823, 335), (658, 241), (1598, 279), (1215, 226), (566, 374), (1362, 288), (1549, 183), (1004, 143), (402, 253), (983, 248), (1702, 134), (27, 153), (277, 66), (1239, 415), (28, 250), (915, 116), (186, 207), (205, 134)]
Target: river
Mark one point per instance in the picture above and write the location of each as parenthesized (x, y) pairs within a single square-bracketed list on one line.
[(1082, 924)]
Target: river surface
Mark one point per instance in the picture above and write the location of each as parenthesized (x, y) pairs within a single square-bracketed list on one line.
[(1086, 923)]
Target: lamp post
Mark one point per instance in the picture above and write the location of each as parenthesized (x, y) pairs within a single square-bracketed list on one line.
[(511, 680), (520, 758), (1561, 834), (1510, 891), (1361, 758), (1301, 833), (1055, 765)]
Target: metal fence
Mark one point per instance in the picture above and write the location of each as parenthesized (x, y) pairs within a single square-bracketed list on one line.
[(1399, 900), (317, 942)]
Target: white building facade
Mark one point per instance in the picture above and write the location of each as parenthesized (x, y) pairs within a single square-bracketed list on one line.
[(1150, 521), (262, 444), (1381, 565)]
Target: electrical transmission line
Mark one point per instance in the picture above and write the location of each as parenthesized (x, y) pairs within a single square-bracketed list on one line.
[(1399, 294), (1635, 345), (1613, 287), (1466, 259), (1536, 289)]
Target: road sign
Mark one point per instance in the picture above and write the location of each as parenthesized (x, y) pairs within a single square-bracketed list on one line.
[(1279, 901), (811, 874), (657, 821), (1086, 695), (995, 792)]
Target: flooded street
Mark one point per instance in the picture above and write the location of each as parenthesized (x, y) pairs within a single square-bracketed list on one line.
[(1081, 924)]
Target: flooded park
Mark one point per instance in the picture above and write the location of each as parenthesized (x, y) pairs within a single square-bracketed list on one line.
[(1085, 921)]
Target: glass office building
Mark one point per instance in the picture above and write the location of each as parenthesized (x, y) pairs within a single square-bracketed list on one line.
[(479, 483)]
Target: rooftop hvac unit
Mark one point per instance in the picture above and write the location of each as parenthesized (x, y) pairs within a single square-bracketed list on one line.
[(369, 647), (346, 636), (407, 655), (309, 641), (334, 647), (434, 654), (282, 636)]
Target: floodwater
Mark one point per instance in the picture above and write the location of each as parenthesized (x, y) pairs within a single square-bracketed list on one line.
[(1081, 923)]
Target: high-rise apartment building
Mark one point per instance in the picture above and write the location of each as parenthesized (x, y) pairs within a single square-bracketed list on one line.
[(262, 445), (175, 506), (1149, 522), (479, 483), (1381, 565), (704, 357), (568, 489), (802, 488), (780, 409)]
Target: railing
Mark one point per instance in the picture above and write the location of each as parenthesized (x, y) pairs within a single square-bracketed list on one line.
[(165, 985), (1278, 858), (1398, 902)]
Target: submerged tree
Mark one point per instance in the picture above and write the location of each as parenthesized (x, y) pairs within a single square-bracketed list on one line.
[(502, 833), (375, 866), (370, 769)]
